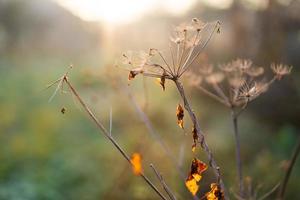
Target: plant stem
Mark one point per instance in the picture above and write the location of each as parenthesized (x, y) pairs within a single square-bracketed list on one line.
[(163, 183), (234, 118), (108, 136), (289, 170), (212, 161)]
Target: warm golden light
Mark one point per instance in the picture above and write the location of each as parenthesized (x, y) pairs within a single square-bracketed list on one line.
[(122, 11)]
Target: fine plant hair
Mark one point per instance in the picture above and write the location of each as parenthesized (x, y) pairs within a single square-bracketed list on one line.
[(235, 85)]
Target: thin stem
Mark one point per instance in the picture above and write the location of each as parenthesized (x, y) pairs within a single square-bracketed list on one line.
[(289, 170), (163, 183), (212, 95), (182, 52), (212, 161), (219, 90), (162, 57), (172, 56), (270, 192), (107, 135), (234, 118), (186, 64)]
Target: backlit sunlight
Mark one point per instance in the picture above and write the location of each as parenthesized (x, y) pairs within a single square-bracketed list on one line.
[(122, 11)]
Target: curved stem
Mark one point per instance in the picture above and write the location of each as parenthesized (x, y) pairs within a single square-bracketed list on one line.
[(212, 161), (108, 136), (289, 170)]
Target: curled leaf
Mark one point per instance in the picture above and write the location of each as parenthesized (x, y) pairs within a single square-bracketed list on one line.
[(192, 185), (195, 138), (215, 193), (195, 175), (134, 72), (63, 110), (136, 161), (163, 81), (198, 167), (180, 115)]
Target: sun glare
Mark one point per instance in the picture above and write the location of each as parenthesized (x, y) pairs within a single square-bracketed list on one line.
[(122, 11)]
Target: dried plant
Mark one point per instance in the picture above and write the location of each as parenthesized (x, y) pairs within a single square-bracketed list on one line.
[(135, 160), (186, 44), (235, 85)]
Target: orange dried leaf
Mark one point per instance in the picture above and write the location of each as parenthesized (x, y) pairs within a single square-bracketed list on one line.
[(192, 185), (198, 167), (195, 176), (162, 82), (215, 193), (180, 115), (136, 161)]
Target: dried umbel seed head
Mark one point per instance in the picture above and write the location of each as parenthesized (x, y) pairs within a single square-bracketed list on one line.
[(194, 79), (245, 64), (228, 67), (206, 69), (281, 70), (215, 78), (186, 45), (255, 71), (247, 92), (236, 81), (197, 24)]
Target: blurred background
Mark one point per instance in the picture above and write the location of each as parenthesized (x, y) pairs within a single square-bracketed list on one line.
[(45, 154)]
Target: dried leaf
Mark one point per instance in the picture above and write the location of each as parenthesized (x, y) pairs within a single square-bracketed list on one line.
[(180, 115), (192, 185), (198, 167), (215, 193), (195, 176), (132, 75), (134, 72), (136, 161), (63, 110), (162, 82)]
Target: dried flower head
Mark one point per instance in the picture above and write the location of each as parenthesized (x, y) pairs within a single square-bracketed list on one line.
[(239, 78), (186, 43), (281, 70), (215, 78)]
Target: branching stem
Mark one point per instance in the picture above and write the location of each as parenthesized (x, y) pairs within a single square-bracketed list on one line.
[(108, 136), (289, 170)]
